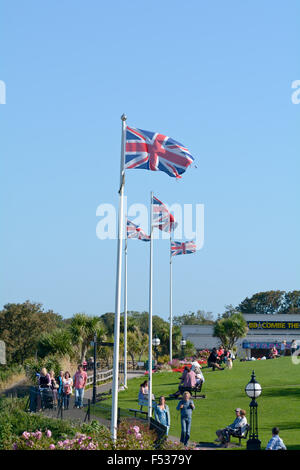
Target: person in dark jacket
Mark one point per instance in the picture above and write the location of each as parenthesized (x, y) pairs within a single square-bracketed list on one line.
[(213, 360)]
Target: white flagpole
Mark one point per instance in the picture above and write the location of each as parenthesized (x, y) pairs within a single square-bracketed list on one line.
[(150, 313), (125, 309), (114, 411), (171, 302)]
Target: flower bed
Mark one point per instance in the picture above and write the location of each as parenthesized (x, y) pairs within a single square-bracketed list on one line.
[(131, 436)]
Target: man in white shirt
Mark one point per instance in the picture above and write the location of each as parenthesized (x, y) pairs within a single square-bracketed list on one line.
[(275, 443)]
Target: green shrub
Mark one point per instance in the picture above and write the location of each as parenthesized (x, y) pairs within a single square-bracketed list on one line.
[(33, 366), (6, 372)]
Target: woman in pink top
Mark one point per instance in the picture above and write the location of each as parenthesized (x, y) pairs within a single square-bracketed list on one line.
[(80, 379)]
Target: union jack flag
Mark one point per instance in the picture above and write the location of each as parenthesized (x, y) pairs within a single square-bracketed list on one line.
[(156, 152), (162, 218), (134, 231), (182, 248)]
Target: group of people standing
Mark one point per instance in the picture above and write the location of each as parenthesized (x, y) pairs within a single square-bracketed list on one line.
[(162, 412), (60, 388)]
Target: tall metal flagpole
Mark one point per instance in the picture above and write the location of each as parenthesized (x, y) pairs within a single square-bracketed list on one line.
[(150, 313), (114, 411), (171, 302), (125, 309)]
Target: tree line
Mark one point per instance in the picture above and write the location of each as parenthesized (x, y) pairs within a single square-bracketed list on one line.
[(31, 332)]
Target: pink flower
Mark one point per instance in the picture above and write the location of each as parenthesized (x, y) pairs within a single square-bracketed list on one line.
[(52, 447), (26, 435), (138, 435), (38, 434), (48, 433), (136, 428)]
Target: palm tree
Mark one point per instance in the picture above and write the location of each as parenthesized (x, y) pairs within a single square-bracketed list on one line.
[(83, 329)]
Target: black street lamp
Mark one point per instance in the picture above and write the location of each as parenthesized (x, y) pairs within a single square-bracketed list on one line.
[(183, 345), (253, 390), (156, 343)]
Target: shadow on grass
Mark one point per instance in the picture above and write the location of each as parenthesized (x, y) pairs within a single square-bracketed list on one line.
[(282, 392), (285, 426)]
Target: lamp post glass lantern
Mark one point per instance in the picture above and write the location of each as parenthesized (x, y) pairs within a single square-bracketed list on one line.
[(155, 344), (253, 390), (183, 345)]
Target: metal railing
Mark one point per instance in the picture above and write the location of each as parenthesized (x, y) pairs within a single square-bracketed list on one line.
[(101, 376)]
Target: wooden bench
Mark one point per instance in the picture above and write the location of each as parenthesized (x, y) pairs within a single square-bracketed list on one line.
[(194, 391), (139, 411), (239, 436)]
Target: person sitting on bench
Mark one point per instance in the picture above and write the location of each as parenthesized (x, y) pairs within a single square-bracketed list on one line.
[(199, 375), (189, 382), (143, 395), (237, 428), (213, 360)]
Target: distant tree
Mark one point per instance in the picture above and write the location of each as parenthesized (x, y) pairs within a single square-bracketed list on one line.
[(83, 329), (21, 326), (137, 345), (291, 302), (229, 310), (230, 329), (271, 302), (192, 318), (108, 320), (58, 342)]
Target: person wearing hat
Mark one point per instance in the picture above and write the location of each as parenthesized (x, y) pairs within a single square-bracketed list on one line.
[(196, 367), (238, 426)]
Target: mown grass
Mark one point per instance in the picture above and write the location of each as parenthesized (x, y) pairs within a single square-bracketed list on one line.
[(277, 406)]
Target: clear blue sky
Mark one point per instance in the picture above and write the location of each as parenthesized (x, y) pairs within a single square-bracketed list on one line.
[(215, 76)]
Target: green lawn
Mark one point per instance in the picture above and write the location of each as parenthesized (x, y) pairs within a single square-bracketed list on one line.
[(279, 404)]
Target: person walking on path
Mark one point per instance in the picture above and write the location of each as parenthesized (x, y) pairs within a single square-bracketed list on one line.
[(60, 390), (54, 387), (162, 413), (186, 407), (44, 386), (67, 384), (80, 379), (275, 443)]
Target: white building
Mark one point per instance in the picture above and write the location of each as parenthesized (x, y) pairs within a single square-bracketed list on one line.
[(264, 332)]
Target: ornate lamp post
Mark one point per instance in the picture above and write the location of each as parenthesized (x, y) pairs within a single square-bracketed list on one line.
[(155, 344), (253, 390), (183, 345)]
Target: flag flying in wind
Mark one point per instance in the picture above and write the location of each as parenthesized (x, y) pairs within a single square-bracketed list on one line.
[(182, 248), (134, 231), (162, 218), (156, 152)]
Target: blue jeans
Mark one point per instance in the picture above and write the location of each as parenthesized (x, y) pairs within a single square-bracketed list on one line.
[(185, 429), (79, 392), (66, 400)]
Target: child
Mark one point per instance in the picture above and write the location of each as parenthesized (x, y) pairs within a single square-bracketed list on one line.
[(275, 443)]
